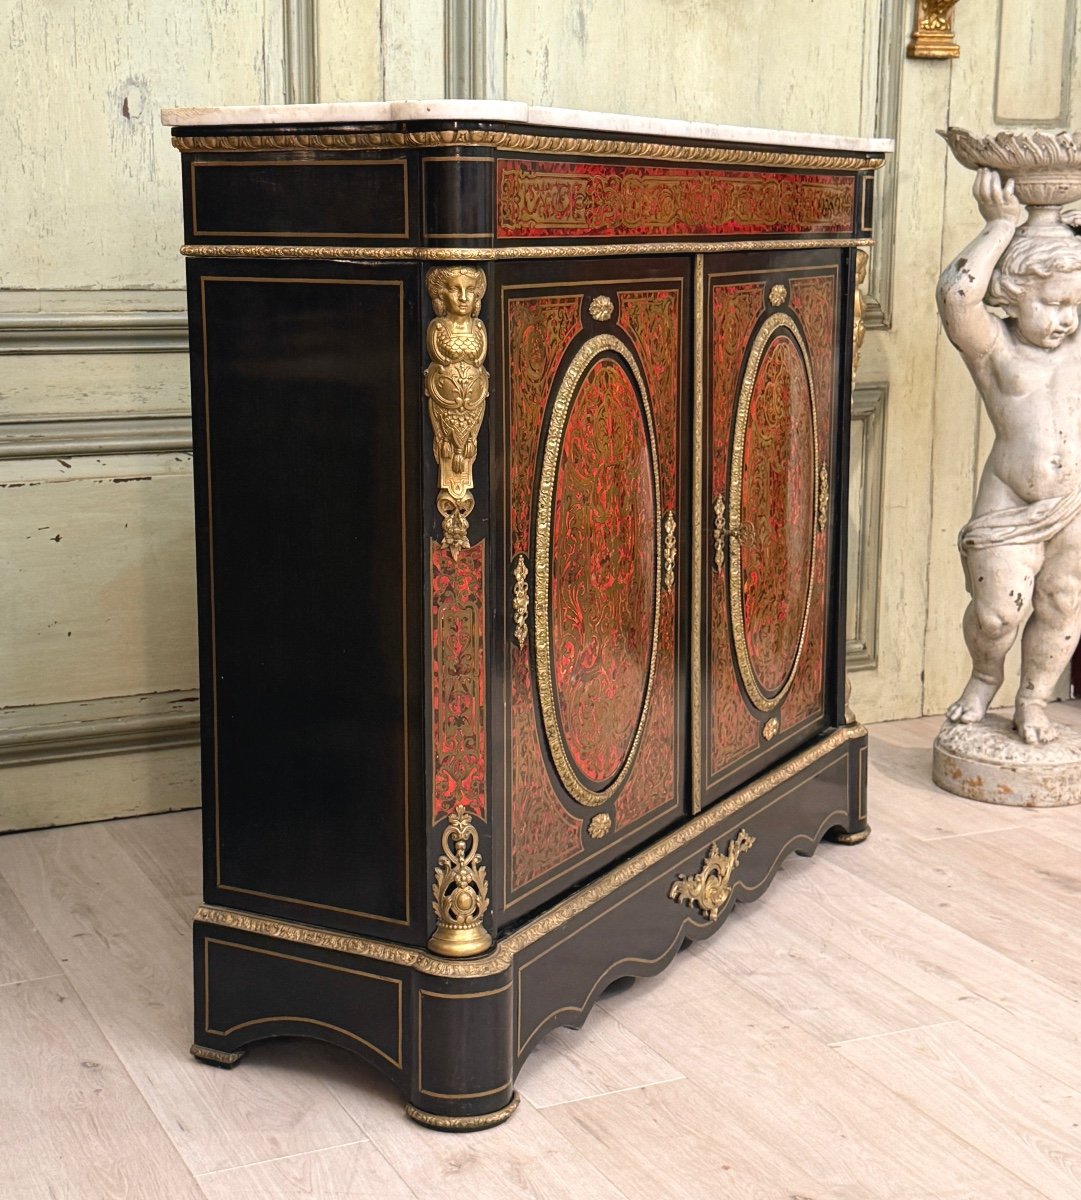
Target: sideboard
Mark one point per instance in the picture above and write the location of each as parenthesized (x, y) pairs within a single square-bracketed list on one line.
[(521, 472)]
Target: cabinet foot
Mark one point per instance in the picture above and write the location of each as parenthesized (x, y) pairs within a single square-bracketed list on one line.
[(849, 839), (217, 1058), (462, 1124)]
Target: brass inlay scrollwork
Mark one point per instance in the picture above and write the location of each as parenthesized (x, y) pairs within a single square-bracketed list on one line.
[(601, 308), (542, 566), (521, 601), (456, 384), (932, 36), (528, 143), (712, 886), (669, 551), (823, 497), (600, 826), (460, 891), (738, 530)]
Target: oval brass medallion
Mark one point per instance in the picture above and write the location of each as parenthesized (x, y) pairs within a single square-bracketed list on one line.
[(598, 556), (774, 490)]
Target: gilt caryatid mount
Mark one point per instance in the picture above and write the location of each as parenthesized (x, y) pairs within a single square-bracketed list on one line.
[(456, 385)]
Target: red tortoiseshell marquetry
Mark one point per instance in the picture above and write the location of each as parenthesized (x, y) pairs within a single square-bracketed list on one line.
[(735, 309), (458, 737), (603, 565), (651, 319), (779, 500), (539, 330), (539, 198), (814, 300)]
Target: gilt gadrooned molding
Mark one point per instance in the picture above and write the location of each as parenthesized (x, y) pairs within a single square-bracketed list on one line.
[(530, 143), (504, 951), (456, 384)]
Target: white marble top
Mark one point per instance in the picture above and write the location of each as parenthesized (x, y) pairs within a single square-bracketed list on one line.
[(513, 112)]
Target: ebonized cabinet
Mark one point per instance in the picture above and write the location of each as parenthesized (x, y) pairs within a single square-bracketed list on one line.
[(521, 474)]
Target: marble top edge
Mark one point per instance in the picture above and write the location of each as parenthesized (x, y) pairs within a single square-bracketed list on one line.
[(511, 111)]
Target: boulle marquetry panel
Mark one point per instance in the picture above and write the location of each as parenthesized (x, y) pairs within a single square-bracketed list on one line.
[(520, 483)]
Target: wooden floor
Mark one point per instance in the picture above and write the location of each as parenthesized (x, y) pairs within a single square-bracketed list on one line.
[(897, 1020)]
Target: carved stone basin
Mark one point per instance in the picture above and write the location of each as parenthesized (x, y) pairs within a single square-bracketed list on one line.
[(1045, 167)]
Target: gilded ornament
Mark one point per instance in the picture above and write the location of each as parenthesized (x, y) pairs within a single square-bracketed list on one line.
[(460, 891), (859, 328), (521, 601), (600, 826), (719, 532), (932, 35), (778, 294), (497, 253), (463, 1124), (601, 308), (220, 1058), (823, 497), (669, 551), (527, 143), (771, 729), (712, 886), (456, 385)]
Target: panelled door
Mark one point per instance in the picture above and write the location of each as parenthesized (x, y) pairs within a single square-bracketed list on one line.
[(772, 358), (594, 367)]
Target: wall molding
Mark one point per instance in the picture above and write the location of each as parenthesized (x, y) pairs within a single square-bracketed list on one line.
[(94, 333), (301, 61), (1060, 119), (892, 36), (39, 733), (475, 49), (865, 525), (73, 437)]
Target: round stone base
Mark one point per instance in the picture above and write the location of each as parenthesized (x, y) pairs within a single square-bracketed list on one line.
[(988, 761)]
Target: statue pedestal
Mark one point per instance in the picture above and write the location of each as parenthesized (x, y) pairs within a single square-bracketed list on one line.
[(988, 761)]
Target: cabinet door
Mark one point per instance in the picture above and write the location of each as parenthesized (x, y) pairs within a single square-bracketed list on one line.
[(594, 366), (772, 377)]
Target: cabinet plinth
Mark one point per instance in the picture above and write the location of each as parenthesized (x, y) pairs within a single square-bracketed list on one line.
[(521, 481)]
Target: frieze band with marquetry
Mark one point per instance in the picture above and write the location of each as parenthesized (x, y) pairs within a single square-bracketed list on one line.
[(456, 384)]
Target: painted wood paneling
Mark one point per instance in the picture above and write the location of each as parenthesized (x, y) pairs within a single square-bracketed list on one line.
[(1035, 51), (737, 64)]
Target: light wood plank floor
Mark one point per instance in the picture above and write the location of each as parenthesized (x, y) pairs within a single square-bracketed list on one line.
[(893, 1021)]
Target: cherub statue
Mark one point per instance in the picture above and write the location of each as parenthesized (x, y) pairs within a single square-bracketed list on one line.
[(1023, 543)]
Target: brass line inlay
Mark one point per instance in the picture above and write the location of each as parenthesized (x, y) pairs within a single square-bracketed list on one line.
[(769, 328), (497, 253), (333, 162), (529, 143), (454, 158), (503, 955), (308, 962), (392, 283), (568, 389), (421, 994)]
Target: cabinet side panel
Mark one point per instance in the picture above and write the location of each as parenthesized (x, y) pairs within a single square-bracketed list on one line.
[(306, 622)]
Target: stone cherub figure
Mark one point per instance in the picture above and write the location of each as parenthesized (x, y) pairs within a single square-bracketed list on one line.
[(1023, 543)]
